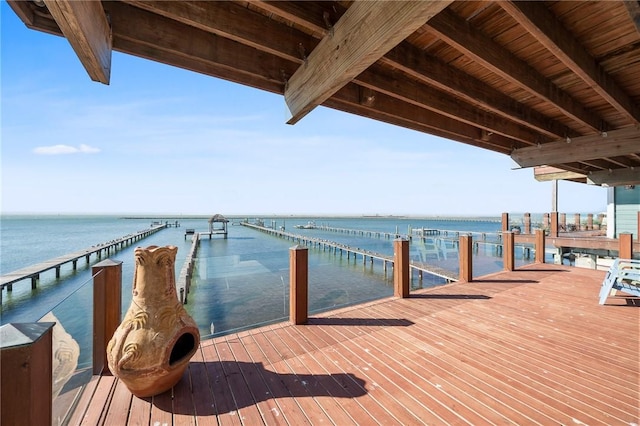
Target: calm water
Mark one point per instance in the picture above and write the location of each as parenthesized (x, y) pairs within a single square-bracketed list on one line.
[(240, 282)]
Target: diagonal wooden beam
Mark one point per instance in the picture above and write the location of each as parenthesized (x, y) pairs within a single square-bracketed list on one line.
[(543, 25), (85, 25), (363, 34), (491, 55), (615, 143), (615, 177)]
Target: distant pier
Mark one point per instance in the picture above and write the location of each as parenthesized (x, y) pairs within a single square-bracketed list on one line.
[(33, 272), (352, 251)]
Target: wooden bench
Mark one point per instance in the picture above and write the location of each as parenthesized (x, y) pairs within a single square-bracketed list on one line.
[(623, 275)]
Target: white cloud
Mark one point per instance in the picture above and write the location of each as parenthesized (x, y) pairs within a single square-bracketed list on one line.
[(65, 149)]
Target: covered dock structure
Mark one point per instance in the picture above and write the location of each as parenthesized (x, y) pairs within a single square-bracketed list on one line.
[(549, 83)]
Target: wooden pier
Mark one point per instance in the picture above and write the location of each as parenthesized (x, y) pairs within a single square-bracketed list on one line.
[(355, 252), (33, 272)]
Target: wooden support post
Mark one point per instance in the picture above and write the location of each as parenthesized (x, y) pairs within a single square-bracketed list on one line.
[(626, 245), (554, 224), (508, 251), (505, 222), (527, 223), (540, 248), (466, 258), (563, 221), (576, 221), (26, 381), (590, 221), (545, 221), (401, 268), (107, 310), (298, 284)]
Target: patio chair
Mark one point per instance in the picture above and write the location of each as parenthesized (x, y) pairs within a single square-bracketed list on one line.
[(623, 275)]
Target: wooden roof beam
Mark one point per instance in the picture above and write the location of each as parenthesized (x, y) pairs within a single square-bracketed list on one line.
[(543, 25), (433, 71), (363, 34), (394, 111), (581, 149), (482, 49), (423, 96), (85, 25), (615, 177)]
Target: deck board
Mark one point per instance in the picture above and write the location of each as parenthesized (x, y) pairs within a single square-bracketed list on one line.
[(530, 346)]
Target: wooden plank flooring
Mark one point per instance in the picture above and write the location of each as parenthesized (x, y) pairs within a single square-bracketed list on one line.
[(522, 348)]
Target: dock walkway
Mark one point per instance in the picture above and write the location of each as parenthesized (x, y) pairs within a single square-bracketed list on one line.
[(33, 272), (354, 251)]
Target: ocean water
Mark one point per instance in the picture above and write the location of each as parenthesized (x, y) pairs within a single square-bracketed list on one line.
[(240, 282)]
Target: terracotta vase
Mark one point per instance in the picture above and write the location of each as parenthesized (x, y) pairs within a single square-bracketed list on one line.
[(151, 348)]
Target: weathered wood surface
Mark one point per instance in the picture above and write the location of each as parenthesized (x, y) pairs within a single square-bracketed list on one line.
[(531, 346)]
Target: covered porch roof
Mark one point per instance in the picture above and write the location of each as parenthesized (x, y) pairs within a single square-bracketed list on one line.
[(548, 83)]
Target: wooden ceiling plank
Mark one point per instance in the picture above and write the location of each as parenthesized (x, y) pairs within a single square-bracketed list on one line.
[(361, 36), (433, 71), (482, 49), (543, 25), (581, 149), (85, 25), (615, 177)]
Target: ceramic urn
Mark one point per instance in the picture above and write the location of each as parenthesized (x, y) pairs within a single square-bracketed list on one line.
[(151, 348)]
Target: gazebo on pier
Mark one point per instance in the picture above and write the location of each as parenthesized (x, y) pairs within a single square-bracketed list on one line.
[(218, 229)]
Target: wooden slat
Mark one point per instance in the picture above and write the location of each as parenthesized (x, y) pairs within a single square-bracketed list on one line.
[(541, 23), (501, 61), (531, 346), (85, 25), (361, 36)]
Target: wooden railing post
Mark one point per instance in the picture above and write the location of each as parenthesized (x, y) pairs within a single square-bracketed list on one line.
[(576, 221), (508, 251), (505, 222), (554, 225), (26, 383), (590, 221), (107, 310), (298, 284), (466, 256), (540, 245), (527, 223), (563, 221), (626, 245), (401, 268)]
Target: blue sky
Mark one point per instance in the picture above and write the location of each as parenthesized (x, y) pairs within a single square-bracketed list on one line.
[(161, 140)]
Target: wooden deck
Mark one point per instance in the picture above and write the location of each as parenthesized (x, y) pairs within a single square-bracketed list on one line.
[(526, 347)]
